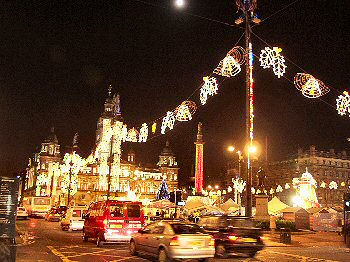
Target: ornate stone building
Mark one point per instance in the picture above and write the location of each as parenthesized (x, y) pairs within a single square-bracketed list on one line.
[(48, 172), (324, 166)]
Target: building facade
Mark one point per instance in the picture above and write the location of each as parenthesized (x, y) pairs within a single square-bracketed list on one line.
[(330, 169), (50, 174)]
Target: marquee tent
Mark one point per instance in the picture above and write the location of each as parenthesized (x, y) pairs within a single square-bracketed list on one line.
[(275, 206)]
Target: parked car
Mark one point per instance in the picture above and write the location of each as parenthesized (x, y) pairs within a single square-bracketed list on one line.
[(53, 215), (173, 240), (21, 213), (73, 218), (233, 234)]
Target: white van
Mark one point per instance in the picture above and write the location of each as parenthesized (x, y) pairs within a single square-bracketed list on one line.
[(74, 218)]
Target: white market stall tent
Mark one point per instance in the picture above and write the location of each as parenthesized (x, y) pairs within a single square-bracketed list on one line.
[(230, 206), (275, 206)]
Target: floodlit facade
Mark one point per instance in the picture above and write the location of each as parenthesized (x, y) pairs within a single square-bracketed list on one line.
[(49, 173)]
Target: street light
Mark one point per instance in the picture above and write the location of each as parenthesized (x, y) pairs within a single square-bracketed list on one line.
[(70, 181)]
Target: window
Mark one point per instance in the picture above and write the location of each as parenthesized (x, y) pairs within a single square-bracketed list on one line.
[(157, 230), (41, 201), (186, 229), (76, 213), (133, 210), (117, 210)]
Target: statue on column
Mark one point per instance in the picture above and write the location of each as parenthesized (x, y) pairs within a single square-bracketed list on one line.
[(261, 179)]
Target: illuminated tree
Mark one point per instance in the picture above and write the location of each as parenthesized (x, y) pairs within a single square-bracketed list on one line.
[(163, 191)]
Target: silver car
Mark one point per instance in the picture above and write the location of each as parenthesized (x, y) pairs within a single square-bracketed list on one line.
[(170, 240)]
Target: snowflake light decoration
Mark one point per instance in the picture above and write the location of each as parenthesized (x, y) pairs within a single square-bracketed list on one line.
[(343, 104), (272, 58), (143, 133), (279, 189), (286, 186), (333, 185), (209, 88), (132, 135), (228, 67), (168, 121), (185, 111), (310, 86)]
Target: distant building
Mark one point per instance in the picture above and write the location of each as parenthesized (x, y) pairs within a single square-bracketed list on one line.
[(46, 177), (324, 166)]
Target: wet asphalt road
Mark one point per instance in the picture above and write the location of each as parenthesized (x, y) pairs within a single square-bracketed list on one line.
[(45, 241)]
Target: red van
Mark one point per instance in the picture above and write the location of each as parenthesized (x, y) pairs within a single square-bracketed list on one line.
[(113, 221)]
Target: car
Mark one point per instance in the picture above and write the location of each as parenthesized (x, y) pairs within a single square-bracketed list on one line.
[(234, 235), (170, 240), (73, 218), (22, 213), (113, 221), (53, 215)]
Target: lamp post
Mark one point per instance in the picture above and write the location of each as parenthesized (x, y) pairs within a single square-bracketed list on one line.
[(70, 181), (110, 167)]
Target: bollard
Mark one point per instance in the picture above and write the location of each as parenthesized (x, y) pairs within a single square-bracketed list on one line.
[(285, 236)]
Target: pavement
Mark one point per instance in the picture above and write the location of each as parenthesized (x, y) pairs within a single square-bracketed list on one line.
[(305, 239)]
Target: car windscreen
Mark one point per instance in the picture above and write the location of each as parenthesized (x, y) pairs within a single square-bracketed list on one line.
[(41, 201), (116, 210), (134, 211), (21, 209), (186, 229), (76, 213)]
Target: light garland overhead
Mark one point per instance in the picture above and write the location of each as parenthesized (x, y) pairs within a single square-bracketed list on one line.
[(272, 58), (143, 133), (310, 86), (185, 111), (343, 104), (168, 121), (209, 88), (239, 54), (228, 67), (132, 135)]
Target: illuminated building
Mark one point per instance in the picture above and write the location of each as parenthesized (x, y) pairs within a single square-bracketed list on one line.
[(325, 166), (47, 172), (198, 178)]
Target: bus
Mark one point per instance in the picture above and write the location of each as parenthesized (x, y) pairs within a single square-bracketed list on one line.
[(113, 221), (37, 205)]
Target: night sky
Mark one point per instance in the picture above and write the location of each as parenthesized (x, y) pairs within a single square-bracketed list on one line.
[(57, 59)]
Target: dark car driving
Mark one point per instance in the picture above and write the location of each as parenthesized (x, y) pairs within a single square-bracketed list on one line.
[(234, 235)]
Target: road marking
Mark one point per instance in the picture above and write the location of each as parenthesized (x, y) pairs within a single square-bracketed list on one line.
[(66, 255), (303, 258), (59, 254)]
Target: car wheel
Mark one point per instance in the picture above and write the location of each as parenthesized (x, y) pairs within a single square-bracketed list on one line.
[(99, 241), (203, 260), (220, 251), (163, 256), (252, 254), (132, 248)]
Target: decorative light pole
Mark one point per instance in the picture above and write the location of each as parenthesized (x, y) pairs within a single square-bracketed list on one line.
[(70, 182), (248, 7)]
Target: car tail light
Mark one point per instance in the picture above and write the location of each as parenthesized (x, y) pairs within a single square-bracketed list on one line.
[(175, 241), (212, 242), (105, 222), (232, 237)]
